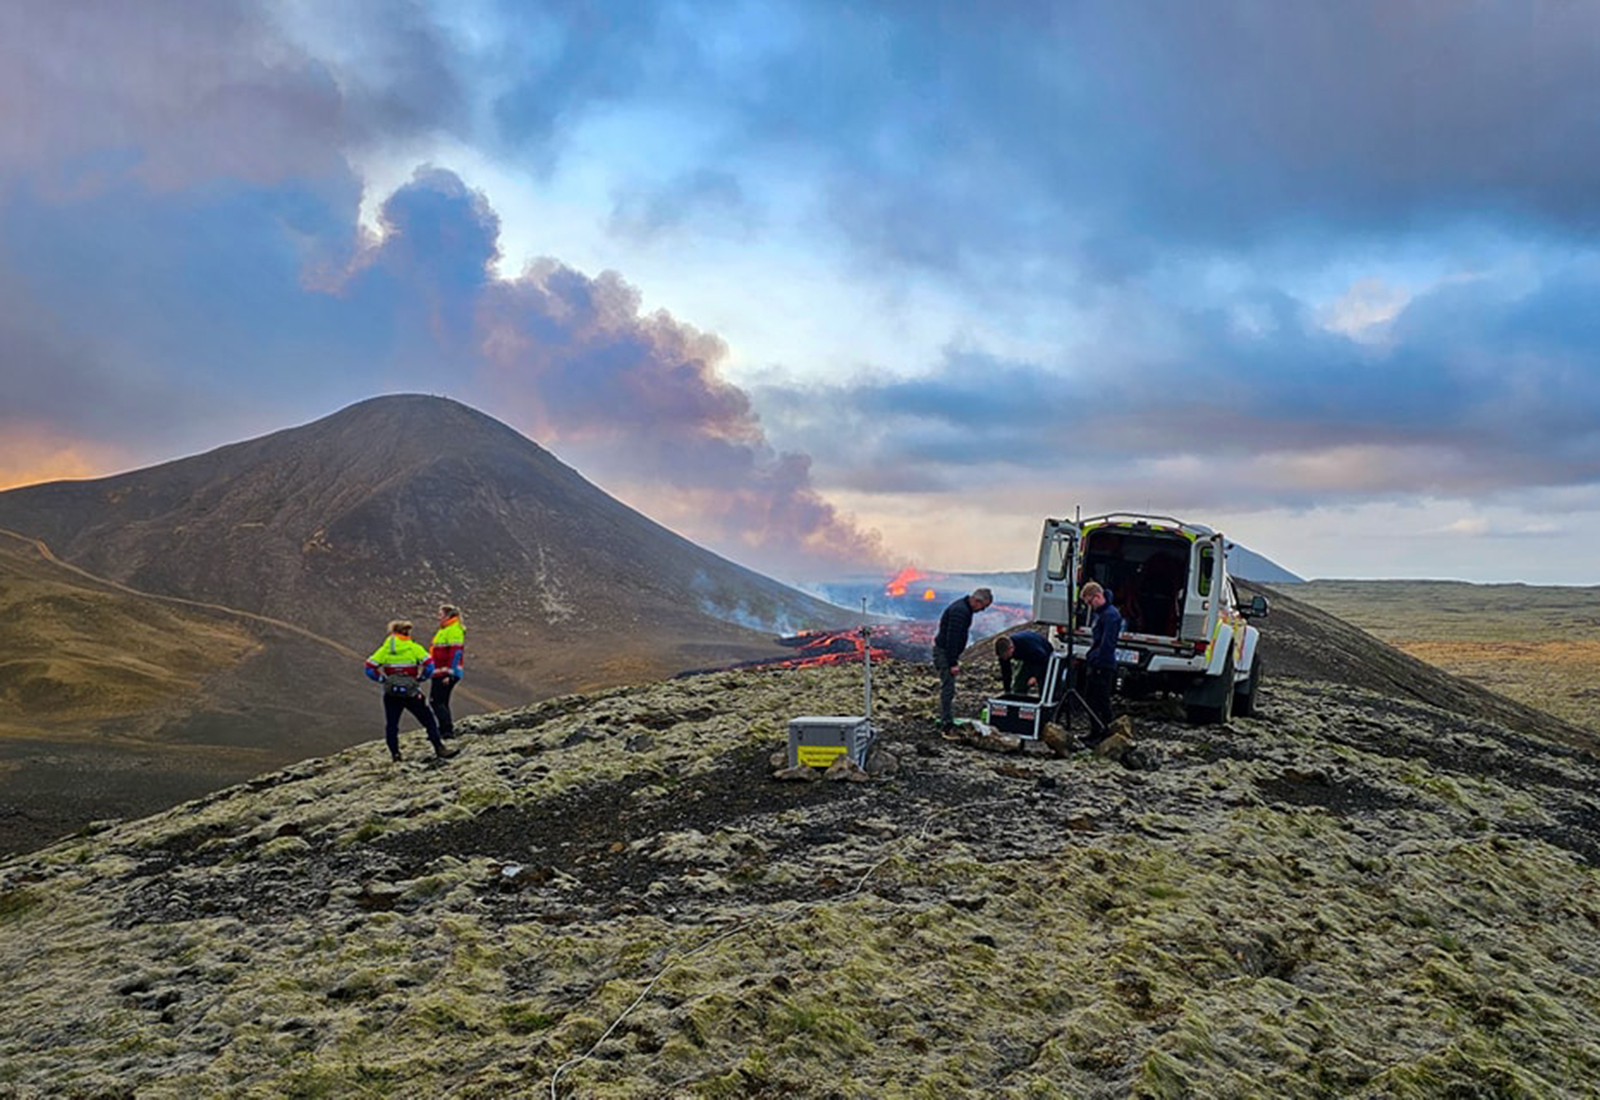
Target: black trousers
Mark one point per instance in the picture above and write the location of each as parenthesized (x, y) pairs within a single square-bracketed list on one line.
[(439, 699), (393, 705), (947, 687), (1102, 681)]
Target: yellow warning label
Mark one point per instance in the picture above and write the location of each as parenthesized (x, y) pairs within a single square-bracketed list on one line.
[(818, 756)]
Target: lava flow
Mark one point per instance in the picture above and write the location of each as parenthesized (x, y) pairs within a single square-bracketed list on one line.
[(904, 641)]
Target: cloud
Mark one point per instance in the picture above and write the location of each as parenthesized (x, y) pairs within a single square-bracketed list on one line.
[(1113, 134), (634, 399), (1481, 387), (1245, 256)]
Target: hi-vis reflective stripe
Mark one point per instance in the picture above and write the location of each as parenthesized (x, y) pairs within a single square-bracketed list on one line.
[(1129, 525)]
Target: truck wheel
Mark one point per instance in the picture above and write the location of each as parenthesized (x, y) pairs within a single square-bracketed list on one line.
[(1244, 700), (1220, 714)]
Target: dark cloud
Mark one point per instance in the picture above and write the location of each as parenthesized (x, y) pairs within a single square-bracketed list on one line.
[(1091, 133), (175, 94), (1478, 386)]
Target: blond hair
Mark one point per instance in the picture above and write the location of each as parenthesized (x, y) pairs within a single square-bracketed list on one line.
[(400, 626), (1091, 589)]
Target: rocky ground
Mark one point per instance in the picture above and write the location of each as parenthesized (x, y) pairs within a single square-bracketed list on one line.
[(1380, 885)]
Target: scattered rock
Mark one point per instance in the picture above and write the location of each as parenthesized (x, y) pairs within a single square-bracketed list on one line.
[(640, 742), (379, 895), (881, 762), (843, 769), (799, 773), (996, 742), (779, 758), (1058, 740)]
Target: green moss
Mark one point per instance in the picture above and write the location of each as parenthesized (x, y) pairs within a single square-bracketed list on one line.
[(445, 1018), (816, 1025), (370, 829), (284, 849), (15, 904), (481, 798), (315, 1081), (525, 1018)]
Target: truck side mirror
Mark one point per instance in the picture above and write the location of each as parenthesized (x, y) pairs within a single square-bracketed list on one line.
[(1256, 608)]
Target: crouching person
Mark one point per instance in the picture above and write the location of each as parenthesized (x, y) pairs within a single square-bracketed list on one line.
[(402, 667)]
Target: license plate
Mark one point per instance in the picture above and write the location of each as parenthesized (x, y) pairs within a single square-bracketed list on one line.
[(1128, 656)]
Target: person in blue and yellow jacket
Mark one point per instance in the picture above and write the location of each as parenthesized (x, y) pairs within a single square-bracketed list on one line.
[(449, 650), (402, 666)]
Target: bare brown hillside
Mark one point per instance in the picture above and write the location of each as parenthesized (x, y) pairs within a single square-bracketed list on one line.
[(192, 623), (395, 503)]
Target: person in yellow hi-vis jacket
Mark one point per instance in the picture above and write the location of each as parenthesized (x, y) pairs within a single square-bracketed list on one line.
[(449, 650), (402, 667)]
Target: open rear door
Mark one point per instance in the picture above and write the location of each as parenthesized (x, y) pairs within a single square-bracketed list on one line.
[(1055, 587)]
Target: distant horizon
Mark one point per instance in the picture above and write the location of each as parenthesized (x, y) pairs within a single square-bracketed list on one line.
[(856, 573)]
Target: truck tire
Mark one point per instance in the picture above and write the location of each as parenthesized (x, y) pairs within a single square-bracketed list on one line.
[(1220, 714), (1244, 700)]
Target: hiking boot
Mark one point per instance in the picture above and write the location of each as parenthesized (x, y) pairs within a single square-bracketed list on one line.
[(445, 752), (395, 756), (950, 733)]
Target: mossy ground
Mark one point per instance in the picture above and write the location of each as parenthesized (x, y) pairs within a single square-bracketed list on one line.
[(606, 896)]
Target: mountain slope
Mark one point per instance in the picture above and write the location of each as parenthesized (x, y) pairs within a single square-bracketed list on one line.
[(1353, 893), (234, 594), (392, 504)]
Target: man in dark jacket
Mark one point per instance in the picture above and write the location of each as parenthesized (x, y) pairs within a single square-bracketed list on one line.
[(948, 645), (1029, 652), (1105, 629)]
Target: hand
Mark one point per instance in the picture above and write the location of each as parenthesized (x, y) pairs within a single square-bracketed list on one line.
[(955, 670)]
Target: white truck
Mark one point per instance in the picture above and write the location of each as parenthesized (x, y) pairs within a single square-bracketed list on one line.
[(1184, 629)]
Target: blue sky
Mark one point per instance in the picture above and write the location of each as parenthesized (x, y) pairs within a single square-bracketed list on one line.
[(832, 286)]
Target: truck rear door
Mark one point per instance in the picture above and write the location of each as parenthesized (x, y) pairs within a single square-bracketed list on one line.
[(1205, 589), (1055, 578)]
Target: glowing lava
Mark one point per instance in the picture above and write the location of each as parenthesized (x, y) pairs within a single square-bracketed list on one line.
[(902, 580)]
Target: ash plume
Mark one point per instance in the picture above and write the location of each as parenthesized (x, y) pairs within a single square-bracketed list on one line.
[(635, 399)]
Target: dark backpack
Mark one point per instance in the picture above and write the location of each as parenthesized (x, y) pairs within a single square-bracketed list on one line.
[(406, 686)]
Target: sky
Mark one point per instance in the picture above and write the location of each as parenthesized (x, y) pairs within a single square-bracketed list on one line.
[(836, 286)]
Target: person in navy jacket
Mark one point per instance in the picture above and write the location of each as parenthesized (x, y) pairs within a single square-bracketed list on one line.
[(1028, 653), (948, 644), (1105, 627)]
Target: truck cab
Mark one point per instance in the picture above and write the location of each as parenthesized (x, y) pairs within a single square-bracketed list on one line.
[(1184, 629)]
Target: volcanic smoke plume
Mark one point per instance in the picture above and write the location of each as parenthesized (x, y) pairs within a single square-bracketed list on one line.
[(633, 399)]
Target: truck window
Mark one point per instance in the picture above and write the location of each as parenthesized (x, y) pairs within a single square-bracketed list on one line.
[(1208, 557), (1060, 557)]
